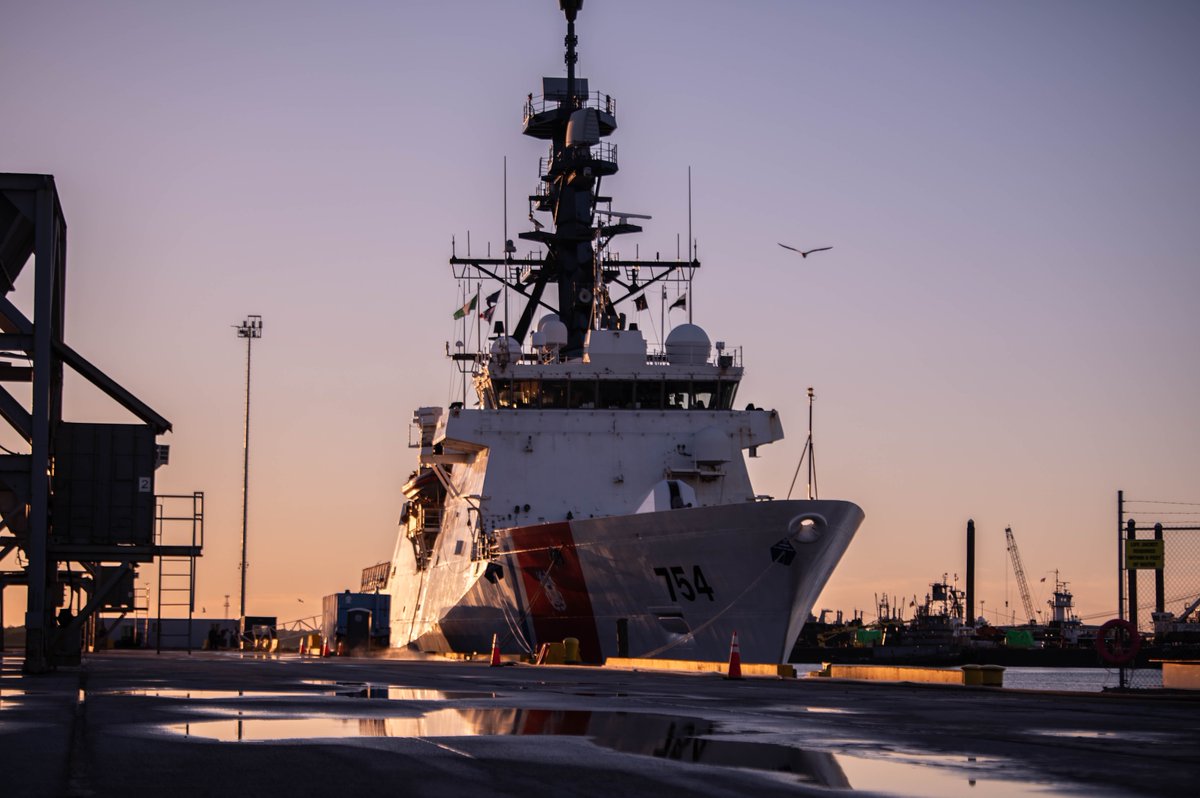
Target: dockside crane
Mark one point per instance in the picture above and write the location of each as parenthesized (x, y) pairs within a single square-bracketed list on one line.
[(1020, 572)]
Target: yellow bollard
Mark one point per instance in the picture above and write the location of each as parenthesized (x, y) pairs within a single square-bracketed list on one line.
[(972, 675), (552, 654), (993, 675), (571, 650)]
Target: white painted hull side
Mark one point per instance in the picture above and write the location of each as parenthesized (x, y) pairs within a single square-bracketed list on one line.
[(675, 584)]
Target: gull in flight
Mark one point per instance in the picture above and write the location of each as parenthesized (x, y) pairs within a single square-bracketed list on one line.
[(805, 253)]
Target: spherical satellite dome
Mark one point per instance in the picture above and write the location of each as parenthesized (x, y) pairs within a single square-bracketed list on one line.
[(550, 332), (506, 345), (688, 344)]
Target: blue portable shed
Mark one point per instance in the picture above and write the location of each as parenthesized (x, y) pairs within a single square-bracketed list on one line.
[(357, 620)]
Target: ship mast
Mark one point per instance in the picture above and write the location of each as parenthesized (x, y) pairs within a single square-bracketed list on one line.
[(574, 120), (571, 178)]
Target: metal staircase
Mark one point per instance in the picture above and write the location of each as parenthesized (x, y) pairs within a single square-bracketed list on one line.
[(178, 520)]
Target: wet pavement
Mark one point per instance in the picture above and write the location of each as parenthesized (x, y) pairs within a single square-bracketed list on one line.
[(143, 724)]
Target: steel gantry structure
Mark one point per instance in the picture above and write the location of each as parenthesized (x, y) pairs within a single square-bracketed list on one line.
[(77, 499)]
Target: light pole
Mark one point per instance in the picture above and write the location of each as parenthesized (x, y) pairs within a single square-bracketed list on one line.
[(249, 329)]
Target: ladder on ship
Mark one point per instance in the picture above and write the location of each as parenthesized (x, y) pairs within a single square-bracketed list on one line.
[(177, 573)]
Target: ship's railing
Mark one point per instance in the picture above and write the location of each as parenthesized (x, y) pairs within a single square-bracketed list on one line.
[(423, 529), (540, 103), (431, 518), (604, 152), (728, 358), (483, 545), (723, 358)]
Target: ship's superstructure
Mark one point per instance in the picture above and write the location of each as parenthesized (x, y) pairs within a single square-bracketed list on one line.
[(597, 489)]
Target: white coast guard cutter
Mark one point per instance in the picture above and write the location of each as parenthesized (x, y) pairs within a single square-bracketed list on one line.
[(598, 490)]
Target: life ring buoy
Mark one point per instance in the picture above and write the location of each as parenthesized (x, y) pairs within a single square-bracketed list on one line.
[(1118, 641)]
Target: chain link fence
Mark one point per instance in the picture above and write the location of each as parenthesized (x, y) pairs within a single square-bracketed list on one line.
[(1165, 599), (1160, 584)]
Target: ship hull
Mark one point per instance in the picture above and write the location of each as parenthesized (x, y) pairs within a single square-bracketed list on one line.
[(674, 584)]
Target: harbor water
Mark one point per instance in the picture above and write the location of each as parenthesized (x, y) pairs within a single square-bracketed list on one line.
[(1087, 680), (1082, 680)]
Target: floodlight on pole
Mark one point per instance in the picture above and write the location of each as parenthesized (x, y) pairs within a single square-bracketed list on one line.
[(249, 329)]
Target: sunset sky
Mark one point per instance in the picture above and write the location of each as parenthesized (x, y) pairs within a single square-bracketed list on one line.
[(1006, 328)]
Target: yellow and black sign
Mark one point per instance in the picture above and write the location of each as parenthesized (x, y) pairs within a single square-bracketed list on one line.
[(1143, 555)]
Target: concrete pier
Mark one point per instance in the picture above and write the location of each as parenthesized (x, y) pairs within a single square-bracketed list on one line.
[(1181, 675), (133, 724), (971, 675)]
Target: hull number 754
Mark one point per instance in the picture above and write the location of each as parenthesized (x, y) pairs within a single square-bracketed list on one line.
[(678, 586)]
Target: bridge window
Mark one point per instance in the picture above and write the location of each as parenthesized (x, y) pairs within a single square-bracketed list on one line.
[(499, 394), (525, 393), (624, 394), (581, 394), (648, 394), (699, 394), (704, 396), (679, 394), (725, 393), (616, 394)]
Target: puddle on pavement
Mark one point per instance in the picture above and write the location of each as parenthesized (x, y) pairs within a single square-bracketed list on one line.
[(394, 692), (938, 777), (408, 693), (449, 722), (341, 689), (1092, 734), (7, 696), (680, 739), (166, 692)]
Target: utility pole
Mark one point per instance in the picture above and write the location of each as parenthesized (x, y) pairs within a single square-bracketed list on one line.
[(249, 329)]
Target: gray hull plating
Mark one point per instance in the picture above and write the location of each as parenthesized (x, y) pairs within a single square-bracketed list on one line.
[(672, 585)]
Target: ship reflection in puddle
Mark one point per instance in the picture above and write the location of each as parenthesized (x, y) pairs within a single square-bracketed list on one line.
[(687, 740), (212, 695), (393, 692), (341, 689)]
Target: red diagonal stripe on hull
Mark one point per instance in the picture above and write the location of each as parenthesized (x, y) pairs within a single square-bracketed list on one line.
[(557, 593)]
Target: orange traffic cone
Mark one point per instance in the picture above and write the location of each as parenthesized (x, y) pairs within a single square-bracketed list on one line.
[(495, 653), (325, 649), (735, 659)]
